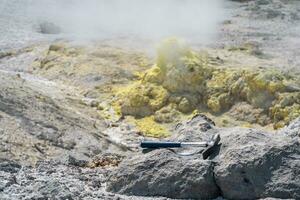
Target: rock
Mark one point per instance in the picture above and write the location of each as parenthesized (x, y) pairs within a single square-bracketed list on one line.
[(193, 81), (142, 100), (6, 179), (105, 160), (8, 169), (150, 128), (293, 129), (255, 164), (38, 123), (252, 163), (199, 128), (6, 54), (249, 164), (49, 28), (270, 13), (56, 47), (52, 189), (167, 114), (163, 173), (245, 112), (74, 159), (262, 2), (9, 166), (295, 16), (53, 180), (187, 105)]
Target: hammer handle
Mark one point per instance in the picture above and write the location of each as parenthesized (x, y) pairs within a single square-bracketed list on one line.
[(156, 145)]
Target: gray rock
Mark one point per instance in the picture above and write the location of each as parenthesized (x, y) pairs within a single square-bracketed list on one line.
[(249, 164), (271, 13), (255, 164), (8, 170), (52, 180), (262, 2), (6, 179), (6, 54), (295, 16), (9, 166), (293, 129), (252, 163), (163, 173), (49, 28), (73, 159), (38, 121)]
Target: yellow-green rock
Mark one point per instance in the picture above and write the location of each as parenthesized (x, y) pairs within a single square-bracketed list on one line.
[(142, 99), (148, 127)]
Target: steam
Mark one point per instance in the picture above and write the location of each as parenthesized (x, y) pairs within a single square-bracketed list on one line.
[(153, 19)]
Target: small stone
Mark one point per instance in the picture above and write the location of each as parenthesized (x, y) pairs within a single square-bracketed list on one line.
[(56, 47), (78, 160), (94, 103), (49, 28), (185, 106)]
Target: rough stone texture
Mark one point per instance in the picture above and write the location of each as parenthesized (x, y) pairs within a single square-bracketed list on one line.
[(53, 180), (39, 120), (293, 129), (165, 173), (249, 164), (255, 164), (161, 173)]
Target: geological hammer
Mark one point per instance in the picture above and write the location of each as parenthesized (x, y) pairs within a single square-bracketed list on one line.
[(210, 146)]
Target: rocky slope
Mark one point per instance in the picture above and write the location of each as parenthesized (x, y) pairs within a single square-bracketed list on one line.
[(247, 164), (72, 115)]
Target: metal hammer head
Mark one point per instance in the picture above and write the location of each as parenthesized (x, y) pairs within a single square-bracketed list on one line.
[(212, 146)]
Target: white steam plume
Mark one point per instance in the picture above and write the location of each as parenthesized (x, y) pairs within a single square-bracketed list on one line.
[(153, 19)]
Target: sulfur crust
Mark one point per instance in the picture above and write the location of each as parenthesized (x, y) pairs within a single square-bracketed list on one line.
[(180, 82), (150, 128), (185, 74)]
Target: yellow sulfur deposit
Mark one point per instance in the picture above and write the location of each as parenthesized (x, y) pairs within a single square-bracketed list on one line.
[(181, 69), (153, 75), (285, 109), (150, 128), (142, 99), (167, 114), (183, 81)]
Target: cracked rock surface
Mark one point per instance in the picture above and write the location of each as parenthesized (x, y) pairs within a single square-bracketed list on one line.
[(249, 164), (161, 173), (53, 180)]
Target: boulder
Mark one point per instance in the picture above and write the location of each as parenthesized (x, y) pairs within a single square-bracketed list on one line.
[(163, 173), (255, 164), (249, 164)]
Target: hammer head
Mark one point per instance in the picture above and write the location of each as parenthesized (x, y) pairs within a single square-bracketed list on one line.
[(212, 146)]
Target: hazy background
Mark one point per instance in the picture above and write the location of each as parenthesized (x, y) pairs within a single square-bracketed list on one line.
[(98, 19)]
